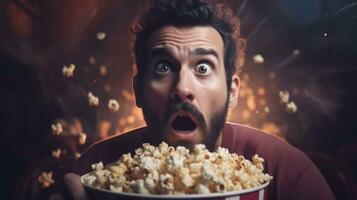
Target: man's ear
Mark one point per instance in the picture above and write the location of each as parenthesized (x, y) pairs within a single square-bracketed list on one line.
[(137, 91), (234, 91)]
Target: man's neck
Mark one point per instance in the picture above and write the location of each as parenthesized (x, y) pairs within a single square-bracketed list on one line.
[(152, 136)]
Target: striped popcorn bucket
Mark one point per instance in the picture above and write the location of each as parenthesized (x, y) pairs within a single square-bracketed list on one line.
[(257, 193)]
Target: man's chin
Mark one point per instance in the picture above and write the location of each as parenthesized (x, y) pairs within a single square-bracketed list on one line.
[(183, 138)]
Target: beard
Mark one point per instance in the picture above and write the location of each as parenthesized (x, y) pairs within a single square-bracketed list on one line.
[(157, 127)]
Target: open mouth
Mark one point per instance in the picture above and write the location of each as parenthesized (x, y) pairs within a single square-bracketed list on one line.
[(183, 124)]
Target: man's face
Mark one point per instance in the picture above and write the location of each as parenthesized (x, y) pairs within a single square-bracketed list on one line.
[(184, 92)]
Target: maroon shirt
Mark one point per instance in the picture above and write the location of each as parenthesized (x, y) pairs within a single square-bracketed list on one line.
[(295, 176)]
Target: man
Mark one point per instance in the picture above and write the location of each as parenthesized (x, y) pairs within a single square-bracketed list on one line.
[(186, 57)]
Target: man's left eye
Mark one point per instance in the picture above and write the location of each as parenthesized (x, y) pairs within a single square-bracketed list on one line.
[(203, 69)]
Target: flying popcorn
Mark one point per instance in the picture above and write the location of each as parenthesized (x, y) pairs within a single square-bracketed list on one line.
[(92, 60), (101, 35), (251, 102), (93, 100), (266, 109), (56, 153), (284, 96), (291, 107), (261, 91), (82, 138), (68, 71), (296, 52), (258, 59), (113, 105), (103, 70), (57, 129), (77, 155), (45, 179)]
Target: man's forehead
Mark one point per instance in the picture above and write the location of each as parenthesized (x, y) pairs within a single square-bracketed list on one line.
[(198, 39), (168, 51)]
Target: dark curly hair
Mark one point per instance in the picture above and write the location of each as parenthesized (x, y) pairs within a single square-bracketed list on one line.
[(188, 13)]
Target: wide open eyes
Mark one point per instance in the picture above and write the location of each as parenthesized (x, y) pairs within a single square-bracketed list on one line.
[(163, 68), (203, 68)]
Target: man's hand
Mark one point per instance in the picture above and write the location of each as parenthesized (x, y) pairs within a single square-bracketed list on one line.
[(74, 188)]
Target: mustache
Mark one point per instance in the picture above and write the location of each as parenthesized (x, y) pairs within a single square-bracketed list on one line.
[(186, 107)]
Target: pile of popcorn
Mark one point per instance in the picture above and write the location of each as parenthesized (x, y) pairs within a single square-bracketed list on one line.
[(169, 170)]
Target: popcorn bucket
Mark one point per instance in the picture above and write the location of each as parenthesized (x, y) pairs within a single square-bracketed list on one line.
[(257, 193), (254, 195)]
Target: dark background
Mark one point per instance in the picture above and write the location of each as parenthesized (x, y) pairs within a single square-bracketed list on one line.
[(38, 37)]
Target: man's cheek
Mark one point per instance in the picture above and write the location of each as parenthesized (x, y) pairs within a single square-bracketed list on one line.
[(151, 99), (200, 137)]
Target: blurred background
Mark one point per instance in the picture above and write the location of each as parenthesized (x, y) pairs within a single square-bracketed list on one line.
[(298, 83)]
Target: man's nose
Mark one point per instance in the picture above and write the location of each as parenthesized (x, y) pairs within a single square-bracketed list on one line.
[(183, 88)]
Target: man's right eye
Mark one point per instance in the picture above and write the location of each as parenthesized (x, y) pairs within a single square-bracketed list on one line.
[(163, 68)]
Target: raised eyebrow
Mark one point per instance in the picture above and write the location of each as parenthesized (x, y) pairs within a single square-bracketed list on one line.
[(160, 52), (203, 51)]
